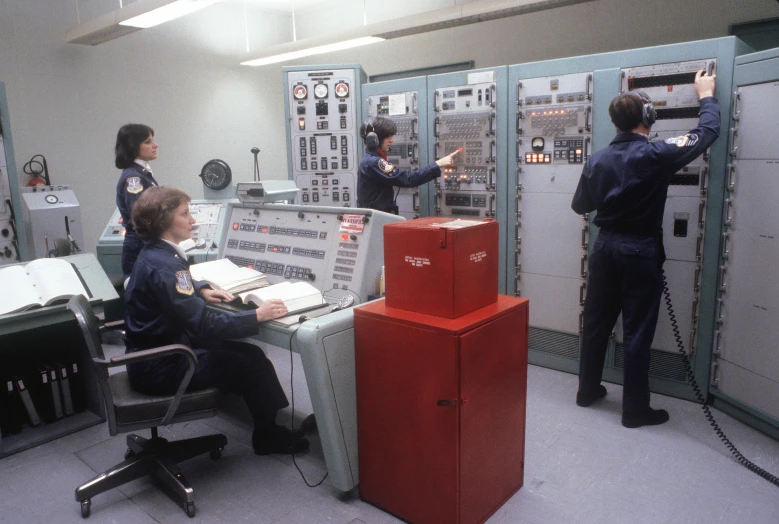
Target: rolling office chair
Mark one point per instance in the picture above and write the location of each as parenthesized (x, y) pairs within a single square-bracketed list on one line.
[(128, 410)]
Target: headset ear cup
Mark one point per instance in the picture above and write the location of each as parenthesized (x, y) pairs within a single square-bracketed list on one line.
[(371, 138), (648, 114)]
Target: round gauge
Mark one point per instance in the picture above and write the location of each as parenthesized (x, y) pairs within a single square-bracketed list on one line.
[(216, 174), (345, 301), (52, 199), (341, 89), (300, 92), (320, 90), (537, 143)]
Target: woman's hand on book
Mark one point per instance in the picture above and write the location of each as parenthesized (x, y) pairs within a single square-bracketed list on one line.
[(270, 309), (216, 295)]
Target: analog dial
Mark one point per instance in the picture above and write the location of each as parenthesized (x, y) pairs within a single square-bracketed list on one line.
[(320, 90), (300, 92)]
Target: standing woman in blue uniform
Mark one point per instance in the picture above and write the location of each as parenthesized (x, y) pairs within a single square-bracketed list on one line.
[(166, 306), (377, 177), (135, 148), (627, 184)]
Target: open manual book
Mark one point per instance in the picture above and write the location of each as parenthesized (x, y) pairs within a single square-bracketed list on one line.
[(39, 283), (297, 297), (224, 275)]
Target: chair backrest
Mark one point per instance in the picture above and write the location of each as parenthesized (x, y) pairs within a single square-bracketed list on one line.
[(90, 329)]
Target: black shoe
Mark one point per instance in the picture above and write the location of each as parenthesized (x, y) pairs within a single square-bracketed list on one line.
[(585, 400), (649, 417), (278, 441)]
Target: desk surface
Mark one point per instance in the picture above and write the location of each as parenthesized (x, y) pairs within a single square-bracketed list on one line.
[(97, 281)]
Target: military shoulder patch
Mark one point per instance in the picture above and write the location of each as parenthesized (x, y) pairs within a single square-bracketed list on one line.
[(134, 185), (184, 283), (385, 166), (683, 141)]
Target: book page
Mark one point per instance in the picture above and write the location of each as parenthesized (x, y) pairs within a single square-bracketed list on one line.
[(297, 296), (19, 291), (226, 275), (55, 279)]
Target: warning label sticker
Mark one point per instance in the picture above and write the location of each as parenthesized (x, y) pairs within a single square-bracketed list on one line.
[(417, 261)]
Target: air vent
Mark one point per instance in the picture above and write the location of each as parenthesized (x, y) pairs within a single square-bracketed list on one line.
[(663, 364), (562, 344)]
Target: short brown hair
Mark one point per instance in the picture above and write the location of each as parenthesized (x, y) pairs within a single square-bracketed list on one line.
[(153, 213), (625, 112)]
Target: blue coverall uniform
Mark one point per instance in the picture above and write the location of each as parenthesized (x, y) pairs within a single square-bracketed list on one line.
[(133, 181), (627, 183), (164, 307), (377, 177)]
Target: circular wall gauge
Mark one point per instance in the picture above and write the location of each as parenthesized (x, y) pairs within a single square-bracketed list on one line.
[(51, 199), (537, 143), (216, 174), (320, 90), (341, 89), (300, 92)]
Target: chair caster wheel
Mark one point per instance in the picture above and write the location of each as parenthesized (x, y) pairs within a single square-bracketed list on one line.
[(216, 453), (129, 454), (189, 507), (86, 508)]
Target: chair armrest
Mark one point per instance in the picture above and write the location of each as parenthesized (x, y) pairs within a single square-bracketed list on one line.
[(111, 326), (152, 353)]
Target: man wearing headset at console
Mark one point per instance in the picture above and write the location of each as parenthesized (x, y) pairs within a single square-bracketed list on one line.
[(627, 183), (377, 176)]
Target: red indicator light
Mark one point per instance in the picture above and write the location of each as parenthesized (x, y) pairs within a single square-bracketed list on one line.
[(235, 225)]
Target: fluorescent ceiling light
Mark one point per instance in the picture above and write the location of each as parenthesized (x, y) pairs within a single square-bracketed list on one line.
[(167, 13), (454, 16), (318, 50), (130, 18)]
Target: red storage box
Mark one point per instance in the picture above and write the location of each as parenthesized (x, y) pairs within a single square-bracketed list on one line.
[(441, 266)]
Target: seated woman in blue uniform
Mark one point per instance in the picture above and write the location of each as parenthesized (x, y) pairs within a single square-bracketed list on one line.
[(376, 176), (166, 306), (135, 147)]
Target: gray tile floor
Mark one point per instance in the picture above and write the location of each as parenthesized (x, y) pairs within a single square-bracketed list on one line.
[(581, 466)]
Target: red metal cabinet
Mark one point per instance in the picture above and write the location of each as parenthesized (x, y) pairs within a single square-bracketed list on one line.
[(441, 410)]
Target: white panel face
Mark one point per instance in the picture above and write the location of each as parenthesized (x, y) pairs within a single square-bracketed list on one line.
[(2, 153), (748, 309), (758, 108), (553, 122), (751, 271), (681, 277), (466, 119), (753, 200), (754, 389), (551, 236), (669, 86), (402, 108), (682, 228), (554, 301), (323, 136)]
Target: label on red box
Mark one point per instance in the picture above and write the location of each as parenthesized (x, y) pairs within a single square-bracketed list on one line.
[(417, 261), (478, 257)]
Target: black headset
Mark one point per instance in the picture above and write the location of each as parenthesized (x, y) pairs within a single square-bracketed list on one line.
[(371, 138), (648, 113)]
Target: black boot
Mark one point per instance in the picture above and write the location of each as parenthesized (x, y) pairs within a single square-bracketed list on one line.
[(585, 399), (648, 417), (277, 440)]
